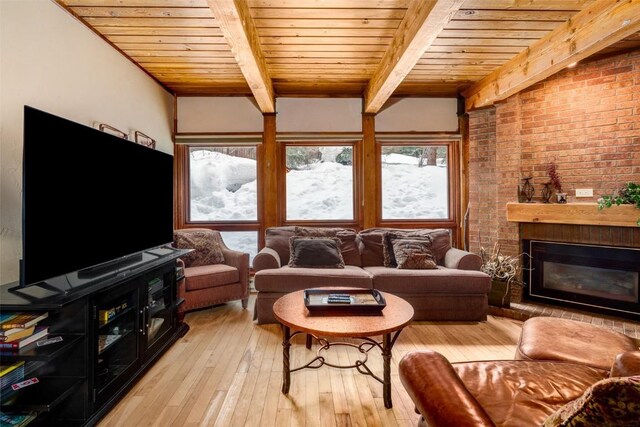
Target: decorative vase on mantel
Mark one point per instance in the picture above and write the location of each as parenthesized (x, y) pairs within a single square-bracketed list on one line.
[(527, 191), (547, 191), (561, 198)]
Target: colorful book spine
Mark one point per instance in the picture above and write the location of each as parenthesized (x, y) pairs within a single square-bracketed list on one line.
[(16, 420), (41, 331), (6, 369), (19, 333), (23, 320), (6, 316), (11, 374)]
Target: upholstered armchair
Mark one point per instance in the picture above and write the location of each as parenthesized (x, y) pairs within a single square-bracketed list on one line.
[(213, 273), (522, 392)]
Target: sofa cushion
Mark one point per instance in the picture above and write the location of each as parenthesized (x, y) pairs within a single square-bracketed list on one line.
[(210, 276), (277, 238), (388, 250), (609, 402), (372, 253), (206, 245), (315, 252), (517, 393), (438, 280), (348, 241), (287, 279), (412, 253), (371, 247)]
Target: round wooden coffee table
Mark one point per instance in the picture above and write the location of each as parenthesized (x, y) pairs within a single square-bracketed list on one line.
[(294, 316)]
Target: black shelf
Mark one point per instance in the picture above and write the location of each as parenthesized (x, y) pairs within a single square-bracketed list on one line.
[(112, 375), (45, 353), (33, 366), (78, 383), (179, 301), (103, 323), (41, 397)]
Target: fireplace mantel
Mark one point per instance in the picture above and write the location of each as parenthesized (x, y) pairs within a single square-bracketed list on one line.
[(573, 213)]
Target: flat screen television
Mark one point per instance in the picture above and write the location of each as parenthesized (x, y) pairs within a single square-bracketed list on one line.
[(88, 198)]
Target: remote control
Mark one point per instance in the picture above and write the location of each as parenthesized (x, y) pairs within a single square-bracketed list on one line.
[(338, 300)]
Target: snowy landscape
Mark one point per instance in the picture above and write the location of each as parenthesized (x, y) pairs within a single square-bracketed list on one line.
[(411, 192), (223, 188)]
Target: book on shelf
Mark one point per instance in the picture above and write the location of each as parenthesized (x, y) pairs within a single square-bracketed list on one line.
[(6, 316), (6, 369), (23, 320), (40, 331), (109, 313), (19, 333), (11, 374), (16, 420)]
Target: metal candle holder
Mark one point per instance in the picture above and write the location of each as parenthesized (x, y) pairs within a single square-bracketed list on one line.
[(527, 191)]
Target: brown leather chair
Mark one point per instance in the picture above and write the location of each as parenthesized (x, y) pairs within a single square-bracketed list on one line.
[(551, 338), (206, 284), (508, 392)]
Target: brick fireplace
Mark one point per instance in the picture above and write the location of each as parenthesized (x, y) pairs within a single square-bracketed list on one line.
[(587, 119)]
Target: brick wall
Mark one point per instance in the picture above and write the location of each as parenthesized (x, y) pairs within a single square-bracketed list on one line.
[(587, 119), (482, 179)]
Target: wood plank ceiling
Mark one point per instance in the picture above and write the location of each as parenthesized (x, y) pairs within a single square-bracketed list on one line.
[(324, 47)]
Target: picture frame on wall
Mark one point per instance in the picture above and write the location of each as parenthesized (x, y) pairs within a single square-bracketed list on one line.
[(110, 130), (142, 139)]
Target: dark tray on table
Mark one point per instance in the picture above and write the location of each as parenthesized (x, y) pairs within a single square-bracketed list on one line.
[(362, 302)]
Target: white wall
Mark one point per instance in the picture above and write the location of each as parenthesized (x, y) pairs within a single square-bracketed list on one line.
[(52, 62), (218, 114), (319, 115), (419, 115)]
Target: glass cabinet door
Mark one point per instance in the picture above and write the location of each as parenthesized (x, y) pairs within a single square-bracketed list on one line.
[(158, 315), (117, 343)]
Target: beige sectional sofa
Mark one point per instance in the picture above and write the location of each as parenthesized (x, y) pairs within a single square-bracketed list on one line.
[(455, 290)]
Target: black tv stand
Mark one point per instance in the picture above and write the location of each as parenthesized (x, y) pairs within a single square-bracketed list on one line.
[(109, 267), (111, 332)]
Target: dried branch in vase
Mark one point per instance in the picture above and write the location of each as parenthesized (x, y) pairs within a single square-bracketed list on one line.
[(552, 171)]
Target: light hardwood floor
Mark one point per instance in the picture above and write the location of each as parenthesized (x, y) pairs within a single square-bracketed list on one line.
[(227, 371)]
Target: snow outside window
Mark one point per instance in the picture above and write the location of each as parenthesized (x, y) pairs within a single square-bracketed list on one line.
[(415, 182), (319, 182), (243, 241), (223, 184)]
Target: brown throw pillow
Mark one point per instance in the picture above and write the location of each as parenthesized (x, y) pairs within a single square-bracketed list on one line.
[(348, 241), (315, 252), (206, 244), (388, 239), (413, 254)]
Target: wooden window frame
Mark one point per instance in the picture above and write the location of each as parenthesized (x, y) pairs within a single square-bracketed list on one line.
[(183, 194), (357, 184), (453, 171)]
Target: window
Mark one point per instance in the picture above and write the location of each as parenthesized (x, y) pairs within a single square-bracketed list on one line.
[(415, 182), (222, 184), (319, 182), (243, 241)]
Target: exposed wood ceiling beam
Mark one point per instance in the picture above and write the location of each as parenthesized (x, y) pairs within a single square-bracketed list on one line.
[(422, 23), (239, 30), (598, 26)]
